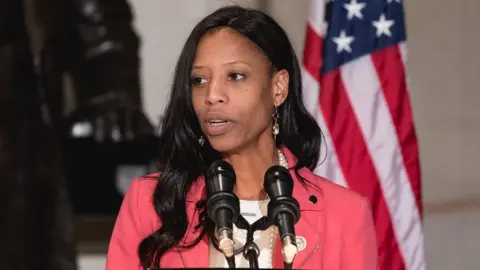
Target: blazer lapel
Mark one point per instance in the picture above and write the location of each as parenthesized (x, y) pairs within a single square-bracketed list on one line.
[(309, 232)]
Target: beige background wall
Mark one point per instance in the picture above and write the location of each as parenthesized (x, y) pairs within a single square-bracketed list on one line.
[(443, 42)]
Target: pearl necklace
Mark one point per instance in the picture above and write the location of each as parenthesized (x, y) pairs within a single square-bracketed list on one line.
[(273, 230)]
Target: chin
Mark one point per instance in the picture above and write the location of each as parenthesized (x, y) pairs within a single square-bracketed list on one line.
[(223, 145)]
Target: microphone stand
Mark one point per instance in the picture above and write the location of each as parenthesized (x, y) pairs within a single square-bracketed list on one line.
[(252, 258), (288, 265), (230, 261), (251, 253)]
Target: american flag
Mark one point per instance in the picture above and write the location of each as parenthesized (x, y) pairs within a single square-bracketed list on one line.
[(355, 86)]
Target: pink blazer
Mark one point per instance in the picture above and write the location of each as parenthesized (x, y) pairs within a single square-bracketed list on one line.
[(338, 228)]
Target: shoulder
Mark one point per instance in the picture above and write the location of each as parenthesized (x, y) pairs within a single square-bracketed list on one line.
[(142, 189), (136, 219), (339, 197), (139, 198), (138, 204), (349, 219), (340, 202), (142, 186)]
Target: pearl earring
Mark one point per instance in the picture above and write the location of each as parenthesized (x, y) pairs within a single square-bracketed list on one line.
[(276, 127)]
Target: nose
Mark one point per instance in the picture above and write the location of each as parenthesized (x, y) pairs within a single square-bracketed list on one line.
[(216, 92)]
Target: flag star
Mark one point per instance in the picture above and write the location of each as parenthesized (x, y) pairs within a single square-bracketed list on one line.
[(383, 26), (390, 1), (343, 42), (354, 9)]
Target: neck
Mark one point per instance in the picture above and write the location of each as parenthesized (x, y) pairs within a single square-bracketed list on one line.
[(250, 166)]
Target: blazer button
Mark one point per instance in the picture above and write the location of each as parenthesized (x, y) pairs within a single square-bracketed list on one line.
[(313, 199)]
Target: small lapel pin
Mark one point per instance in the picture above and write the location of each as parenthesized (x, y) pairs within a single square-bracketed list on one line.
[(313, 199), (301, 242)]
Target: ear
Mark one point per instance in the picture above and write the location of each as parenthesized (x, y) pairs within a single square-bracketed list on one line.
[(280, 84)]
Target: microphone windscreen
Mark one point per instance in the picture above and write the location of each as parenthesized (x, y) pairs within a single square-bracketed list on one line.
[(220, 177), (278, 182)]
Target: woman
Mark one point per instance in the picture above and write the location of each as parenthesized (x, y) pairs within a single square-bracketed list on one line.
[(237, 96)]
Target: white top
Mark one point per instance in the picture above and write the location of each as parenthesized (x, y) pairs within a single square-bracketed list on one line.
[(265, 240)]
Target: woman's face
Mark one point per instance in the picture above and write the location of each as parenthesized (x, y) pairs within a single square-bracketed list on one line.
[(234, 91)]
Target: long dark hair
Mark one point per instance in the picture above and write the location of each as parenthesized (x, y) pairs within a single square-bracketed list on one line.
[(181, 157)]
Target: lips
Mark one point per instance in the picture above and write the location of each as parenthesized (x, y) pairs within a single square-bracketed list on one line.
[(217, 124)]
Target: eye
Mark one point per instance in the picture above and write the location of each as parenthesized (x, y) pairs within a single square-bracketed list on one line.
[(235, 76), (198, 80)]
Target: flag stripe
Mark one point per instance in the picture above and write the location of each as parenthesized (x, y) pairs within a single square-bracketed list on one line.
[(367, 99), (316, 16), (356, 163), (389, 66), (330, 167), (313, 52), (403, 53)]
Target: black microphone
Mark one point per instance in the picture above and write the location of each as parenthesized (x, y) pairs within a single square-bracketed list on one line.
[(283, 209), (223, 207)]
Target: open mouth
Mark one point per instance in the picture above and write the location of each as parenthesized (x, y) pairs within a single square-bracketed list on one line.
[(217, 122), (216, 127)]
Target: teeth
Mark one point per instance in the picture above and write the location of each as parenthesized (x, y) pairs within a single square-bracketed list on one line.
[(217, 122)]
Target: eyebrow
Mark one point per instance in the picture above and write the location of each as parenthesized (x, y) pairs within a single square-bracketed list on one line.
[(227, 63)]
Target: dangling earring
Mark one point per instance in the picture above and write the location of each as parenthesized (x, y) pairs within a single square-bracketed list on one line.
[(276, 127), (201, 140)]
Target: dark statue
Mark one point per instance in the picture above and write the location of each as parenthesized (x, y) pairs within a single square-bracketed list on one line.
[(94, 45)]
